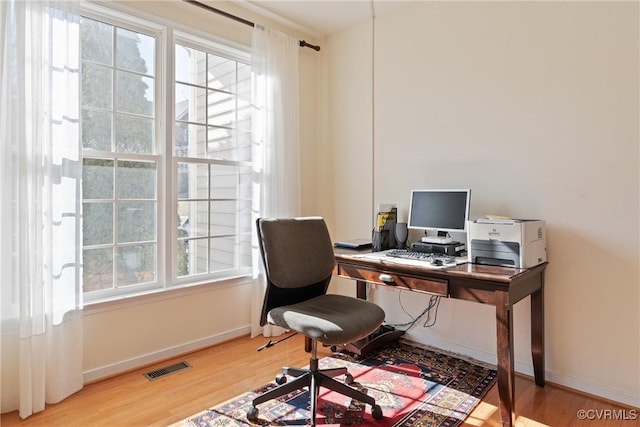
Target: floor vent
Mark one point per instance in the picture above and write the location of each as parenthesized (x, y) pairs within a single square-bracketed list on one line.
[(159, 373)]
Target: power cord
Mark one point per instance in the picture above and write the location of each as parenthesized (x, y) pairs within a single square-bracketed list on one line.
[(434, 302), (272, 343)]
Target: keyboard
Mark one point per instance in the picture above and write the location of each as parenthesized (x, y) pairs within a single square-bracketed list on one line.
[(430, 257)]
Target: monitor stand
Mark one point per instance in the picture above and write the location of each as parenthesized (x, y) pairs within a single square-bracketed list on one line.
[(442, 240)]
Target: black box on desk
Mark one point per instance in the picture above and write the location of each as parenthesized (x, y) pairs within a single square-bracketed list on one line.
[(453, 248)]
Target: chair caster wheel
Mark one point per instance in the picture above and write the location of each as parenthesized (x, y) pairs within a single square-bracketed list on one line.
[(348, 379), (252, 414), (281, 379), (376, 412)]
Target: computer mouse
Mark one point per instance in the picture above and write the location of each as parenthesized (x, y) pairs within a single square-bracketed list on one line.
[(437, 262)]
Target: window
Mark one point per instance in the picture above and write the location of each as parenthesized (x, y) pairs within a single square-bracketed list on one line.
[(158, 152), (212, 152)]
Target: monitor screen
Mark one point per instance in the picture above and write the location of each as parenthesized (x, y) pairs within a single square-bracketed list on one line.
[(442, 210)]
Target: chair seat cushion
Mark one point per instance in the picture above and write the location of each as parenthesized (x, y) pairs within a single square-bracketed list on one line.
[(330, 319)]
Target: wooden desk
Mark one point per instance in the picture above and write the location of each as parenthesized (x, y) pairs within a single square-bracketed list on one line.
[(498, 286)]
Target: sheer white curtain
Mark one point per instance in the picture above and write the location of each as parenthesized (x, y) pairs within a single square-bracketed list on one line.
[(276, 137), (40, 189)]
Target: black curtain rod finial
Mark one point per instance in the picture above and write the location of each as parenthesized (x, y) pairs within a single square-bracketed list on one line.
[(305, 44)]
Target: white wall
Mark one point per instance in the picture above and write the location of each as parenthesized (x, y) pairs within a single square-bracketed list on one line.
[(534, 106)]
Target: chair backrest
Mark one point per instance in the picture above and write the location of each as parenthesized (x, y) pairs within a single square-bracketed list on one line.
[(298, 258)]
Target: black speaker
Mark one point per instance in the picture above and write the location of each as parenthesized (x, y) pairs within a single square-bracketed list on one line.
[(401, 235)]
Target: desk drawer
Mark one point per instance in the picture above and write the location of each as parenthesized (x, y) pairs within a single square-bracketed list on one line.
[(422, 284)]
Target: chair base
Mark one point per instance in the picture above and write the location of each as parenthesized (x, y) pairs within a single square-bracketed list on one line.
[(313, 379)]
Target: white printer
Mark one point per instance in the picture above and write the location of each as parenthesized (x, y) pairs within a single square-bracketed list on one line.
[(516, 243)]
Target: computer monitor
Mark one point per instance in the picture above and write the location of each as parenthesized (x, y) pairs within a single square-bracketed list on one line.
[(439, 210)]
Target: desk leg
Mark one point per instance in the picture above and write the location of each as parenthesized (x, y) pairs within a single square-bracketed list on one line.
[(506, 385), (361, 289), (537, 332)]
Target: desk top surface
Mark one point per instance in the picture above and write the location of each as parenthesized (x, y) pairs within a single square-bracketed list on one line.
[(364, 258)]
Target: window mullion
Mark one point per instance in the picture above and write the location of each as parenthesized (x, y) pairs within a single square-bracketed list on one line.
[(171, 164), (116, 225)]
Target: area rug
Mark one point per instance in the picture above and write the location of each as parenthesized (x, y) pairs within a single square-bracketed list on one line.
[(415, 386)]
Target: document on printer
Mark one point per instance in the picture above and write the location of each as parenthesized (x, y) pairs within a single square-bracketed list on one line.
[(497, 219)]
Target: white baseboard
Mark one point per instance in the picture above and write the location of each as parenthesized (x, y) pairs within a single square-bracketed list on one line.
[(526, 368), (147, 359), (597, 390)]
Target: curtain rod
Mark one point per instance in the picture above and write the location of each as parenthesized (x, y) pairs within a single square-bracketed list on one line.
[(241, 20)]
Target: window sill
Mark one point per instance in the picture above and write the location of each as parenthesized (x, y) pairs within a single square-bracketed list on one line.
[(155, 295)]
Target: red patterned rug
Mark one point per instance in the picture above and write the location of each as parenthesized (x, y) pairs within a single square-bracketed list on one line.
[(414, 385)]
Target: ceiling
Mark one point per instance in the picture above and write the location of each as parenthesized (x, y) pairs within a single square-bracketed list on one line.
[(322, 17)]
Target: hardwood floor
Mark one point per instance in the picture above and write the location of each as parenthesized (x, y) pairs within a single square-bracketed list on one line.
[(226, 370)]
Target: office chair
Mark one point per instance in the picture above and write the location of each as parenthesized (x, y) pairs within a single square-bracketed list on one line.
[(298, 257)]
